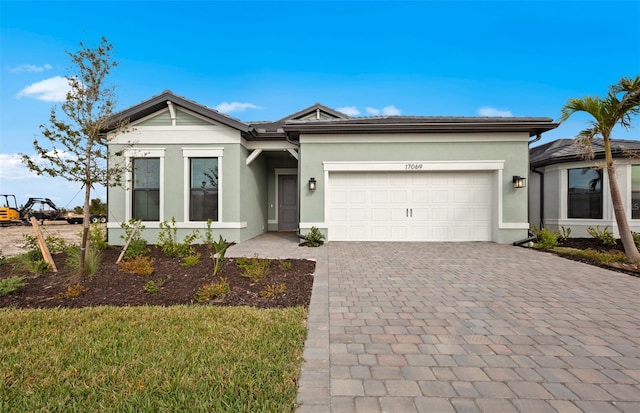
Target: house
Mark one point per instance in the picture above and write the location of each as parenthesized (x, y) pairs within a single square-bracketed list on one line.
[(389, 178), (565, 190)]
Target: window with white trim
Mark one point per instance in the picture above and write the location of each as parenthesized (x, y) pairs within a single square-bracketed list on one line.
[(635, 192), (584, 193), (202, 184), (146, 189), (203, 189)]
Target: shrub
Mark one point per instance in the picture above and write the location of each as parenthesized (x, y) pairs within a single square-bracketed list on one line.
[(565, 233), (54, 244), (10, 285), (151, 287), (139, 265), (254, 268), (98, 237), (137, 245), (314, 237), (92, 261), (190, 261), (636, 238), (592, 255), (212, 290), (74, 291), (221, 247), (284, 265), (168, 240), (605, 236), (272, 290), (547, 240)]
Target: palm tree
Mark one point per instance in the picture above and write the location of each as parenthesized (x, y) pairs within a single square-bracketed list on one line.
[(608, 112)]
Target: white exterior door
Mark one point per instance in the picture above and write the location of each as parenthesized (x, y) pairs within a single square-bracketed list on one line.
[(410, 206)]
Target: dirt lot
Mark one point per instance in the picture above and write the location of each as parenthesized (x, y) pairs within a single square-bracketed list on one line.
[(12, 238)]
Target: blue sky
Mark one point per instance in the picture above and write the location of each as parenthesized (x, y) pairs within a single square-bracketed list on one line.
[(264, 60)]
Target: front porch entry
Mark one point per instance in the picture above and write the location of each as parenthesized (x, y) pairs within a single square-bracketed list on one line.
[(287, 202)]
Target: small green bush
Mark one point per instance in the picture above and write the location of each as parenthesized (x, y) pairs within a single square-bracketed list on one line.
[(254, 268), (168, 240), (190, 261), (547, 240), (565, 233), (151, 287), (271, 290), (137, 245), (10, 285), (605, 236), (98, 237), (314, 237), (212, 290), (636, 238)]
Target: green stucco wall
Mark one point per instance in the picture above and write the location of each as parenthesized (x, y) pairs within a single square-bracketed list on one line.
[(514, 153)]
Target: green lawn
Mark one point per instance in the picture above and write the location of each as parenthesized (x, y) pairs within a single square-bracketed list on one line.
[(118, 359)]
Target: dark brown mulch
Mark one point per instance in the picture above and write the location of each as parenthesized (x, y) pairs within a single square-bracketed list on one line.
[(597, 245), (111, 286)]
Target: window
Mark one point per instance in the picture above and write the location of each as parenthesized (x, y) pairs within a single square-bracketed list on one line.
[(585, 193), (635, 192), (146, 189), (203, 196)]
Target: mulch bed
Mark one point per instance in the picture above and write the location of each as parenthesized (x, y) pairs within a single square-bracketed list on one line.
[(597, 245), (111, 286)]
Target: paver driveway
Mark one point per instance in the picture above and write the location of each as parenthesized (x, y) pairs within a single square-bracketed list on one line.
[(471, 327)]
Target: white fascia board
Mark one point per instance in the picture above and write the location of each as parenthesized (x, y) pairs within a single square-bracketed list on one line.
[(268, 145), (416, 137), (414, 166)]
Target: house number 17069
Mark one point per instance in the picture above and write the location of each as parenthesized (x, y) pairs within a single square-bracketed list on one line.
[(413, 166)]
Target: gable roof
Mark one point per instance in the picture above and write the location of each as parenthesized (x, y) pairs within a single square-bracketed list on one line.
[(159, 102), (567, 150), (274, 129), (318, 118)]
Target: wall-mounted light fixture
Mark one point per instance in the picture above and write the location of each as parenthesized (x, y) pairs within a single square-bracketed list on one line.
[(519, 182), (312, 184)]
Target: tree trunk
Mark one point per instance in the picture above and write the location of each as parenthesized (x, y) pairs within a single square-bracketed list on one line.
[(630, 249), (86, 222)]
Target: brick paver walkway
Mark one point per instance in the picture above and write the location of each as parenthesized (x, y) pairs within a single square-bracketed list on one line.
[(469, 327)]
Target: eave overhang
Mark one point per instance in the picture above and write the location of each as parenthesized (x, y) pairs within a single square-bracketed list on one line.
[(533, 126)]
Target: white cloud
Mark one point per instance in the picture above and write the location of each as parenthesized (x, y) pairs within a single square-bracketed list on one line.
[(493, 112), (390, 110), (228, 107), (53, 89), (349, 110), (29, 68), (12, 168)]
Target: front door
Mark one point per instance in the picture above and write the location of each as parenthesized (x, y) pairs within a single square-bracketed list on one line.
[(287, 203)]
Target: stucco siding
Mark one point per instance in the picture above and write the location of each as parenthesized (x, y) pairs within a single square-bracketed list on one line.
[(511, 149), (555, 199)]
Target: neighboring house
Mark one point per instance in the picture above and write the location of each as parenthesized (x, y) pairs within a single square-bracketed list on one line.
[(567, 191), (392, 178)]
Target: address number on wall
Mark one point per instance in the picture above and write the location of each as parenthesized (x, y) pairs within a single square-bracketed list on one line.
[(413, 166)]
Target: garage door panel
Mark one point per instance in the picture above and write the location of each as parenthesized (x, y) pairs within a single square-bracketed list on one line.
[(421, 206)]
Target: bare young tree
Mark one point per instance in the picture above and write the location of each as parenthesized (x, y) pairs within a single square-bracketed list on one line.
[(621, 103), (75, 140)]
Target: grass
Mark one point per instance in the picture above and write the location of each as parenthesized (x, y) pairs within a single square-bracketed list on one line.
[(592, 255), (182, 358)]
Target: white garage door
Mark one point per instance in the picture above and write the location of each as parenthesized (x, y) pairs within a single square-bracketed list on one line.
[(416, 206)]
